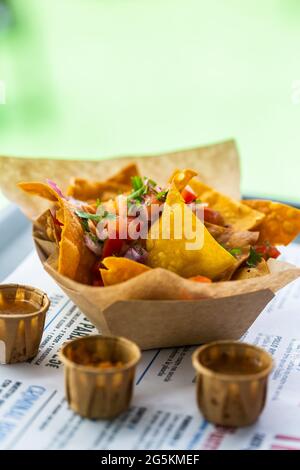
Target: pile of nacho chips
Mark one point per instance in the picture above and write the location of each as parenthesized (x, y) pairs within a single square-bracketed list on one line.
[(226, 240)]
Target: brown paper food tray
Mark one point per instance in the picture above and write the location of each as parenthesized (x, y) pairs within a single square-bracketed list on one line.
[(157, 322), (158, 308), (168, 323)]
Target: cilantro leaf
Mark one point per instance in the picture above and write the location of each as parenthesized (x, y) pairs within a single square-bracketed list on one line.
[(235, 251), (152, 183), (95, 239), (137, 182), (85, 225), (95, 217), (162, 195), (87, 215), (254, 258), (137, 194), (109, 216)]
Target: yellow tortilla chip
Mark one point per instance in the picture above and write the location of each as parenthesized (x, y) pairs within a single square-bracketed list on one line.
[(233, 240), (169, 246), (88, 190), (246, 272), (281, 223), (39, 189), (75, 259), (182, 177), (120, 270), (240, 216)]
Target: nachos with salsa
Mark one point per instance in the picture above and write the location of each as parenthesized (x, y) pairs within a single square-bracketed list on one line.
[(110, 231)]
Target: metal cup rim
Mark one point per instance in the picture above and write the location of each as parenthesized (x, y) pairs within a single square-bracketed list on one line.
[(94, 370), (200, 368), (43, 309)]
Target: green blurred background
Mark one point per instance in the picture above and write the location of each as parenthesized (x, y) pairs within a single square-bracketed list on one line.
[(95, 78)]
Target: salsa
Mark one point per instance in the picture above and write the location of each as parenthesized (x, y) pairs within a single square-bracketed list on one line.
[(238, 365), (17, 307)]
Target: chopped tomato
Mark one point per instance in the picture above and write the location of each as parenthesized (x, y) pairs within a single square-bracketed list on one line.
[(96, 275), (267, 251), (188, 195), (213, 217), (151, 199), (200, 279), (154, 209), (274, 252), (112, 246), (261, 249)]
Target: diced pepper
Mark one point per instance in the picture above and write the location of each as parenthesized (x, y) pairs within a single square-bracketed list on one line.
[(112, 246), (188, 195), (200, 279), (267, 251), (274, 252), (96, 275)]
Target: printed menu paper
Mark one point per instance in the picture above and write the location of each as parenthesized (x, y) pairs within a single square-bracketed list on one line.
[(164, 415)]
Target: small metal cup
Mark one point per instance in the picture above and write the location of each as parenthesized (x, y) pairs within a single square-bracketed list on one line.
[(21, 333), (98, 393), (231, 382)]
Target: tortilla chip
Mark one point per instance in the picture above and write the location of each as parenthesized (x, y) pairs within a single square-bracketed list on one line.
[(230, 238), (88, 190), (281, 224), (52, 231), (182, 177), (120, 270), (240, 258), (39, 189), (169, 248), (45, 233), (75, 259), (234, 213), (233, 239), (124, 176), (246, 272)]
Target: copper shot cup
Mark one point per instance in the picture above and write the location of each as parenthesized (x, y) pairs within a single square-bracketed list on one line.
[(21, 333), (99, 393), (231, 382)]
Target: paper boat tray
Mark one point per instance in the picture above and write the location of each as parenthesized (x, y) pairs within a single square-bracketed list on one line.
[(157, 317), (168, 323)]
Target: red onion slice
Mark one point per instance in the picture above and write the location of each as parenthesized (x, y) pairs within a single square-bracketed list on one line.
[(102, 231), (95, 247), (55, 188), (137, 253)]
